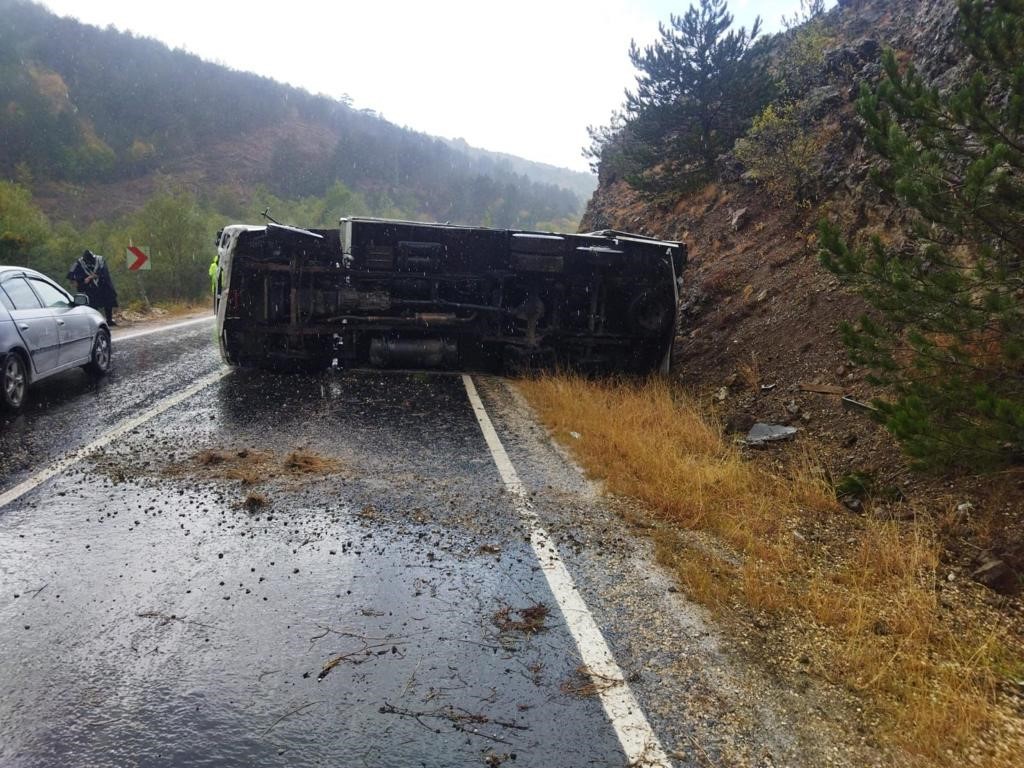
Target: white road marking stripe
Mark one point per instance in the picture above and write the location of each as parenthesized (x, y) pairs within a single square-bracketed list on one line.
[(636, 736), (161, 329), (123, 428)]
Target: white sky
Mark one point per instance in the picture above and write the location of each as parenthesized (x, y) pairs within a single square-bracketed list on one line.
[(525, 77)]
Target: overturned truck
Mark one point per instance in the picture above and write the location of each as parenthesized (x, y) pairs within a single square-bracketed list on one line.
[(395, 294)]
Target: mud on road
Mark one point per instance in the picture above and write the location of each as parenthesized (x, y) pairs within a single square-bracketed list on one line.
[(380, 604)]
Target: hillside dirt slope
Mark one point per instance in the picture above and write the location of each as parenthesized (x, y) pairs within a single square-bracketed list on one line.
[(237, 164)]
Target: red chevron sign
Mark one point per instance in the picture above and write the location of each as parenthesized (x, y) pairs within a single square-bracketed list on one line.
[(138, 258)]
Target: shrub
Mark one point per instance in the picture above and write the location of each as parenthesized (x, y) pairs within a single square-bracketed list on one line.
[(785, 151)]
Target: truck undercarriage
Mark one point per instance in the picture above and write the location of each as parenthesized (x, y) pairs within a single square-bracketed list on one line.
[(391, 294)]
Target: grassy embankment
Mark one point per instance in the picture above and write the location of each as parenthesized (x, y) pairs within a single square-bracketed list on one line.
[(856, 595)]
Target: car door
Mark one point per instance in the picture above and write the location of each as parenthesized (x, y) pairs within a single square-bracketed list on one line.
[(74, 324), (35, 323)]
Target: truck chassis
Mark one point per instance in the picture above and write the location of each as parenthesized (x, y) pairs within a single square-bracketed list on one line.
[(395, 294)]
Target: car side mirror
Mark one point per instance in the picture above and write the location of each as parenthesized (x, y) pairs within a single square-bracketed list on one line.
[(81, 300)]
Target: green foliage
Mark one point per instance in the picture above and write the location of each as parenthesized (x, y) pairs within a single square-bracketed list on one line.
[(697, 89), (310, 211), (950, 292), (801, 66), (858, 485), (784, 150), (23, 227), (179, 235), (177, 229), (605, 152), (865, 485)]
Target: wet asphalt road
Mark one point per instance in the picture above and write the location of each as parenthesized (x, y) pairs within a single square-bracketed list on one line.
[(71, 409), (148, 618)]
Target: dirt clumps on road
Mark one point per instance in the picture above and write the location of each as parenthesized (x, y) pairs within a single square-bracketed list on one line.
[(255, 500), (252, 467), (528, 620)]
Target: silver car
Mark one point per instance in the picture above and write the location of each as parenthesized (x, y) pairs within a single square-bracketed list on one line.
[(43, 331)]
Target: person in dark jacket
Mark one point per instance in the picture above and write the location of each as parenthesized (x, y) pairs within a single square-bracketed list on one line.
[(91, 277)]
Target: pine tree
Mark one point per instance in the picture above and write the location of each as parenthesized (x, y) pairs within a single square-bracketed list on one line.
[(699, 85), (949, 333)]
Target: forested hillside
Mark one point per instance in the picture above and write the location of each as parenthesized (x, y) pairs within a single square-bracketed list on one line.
[(94, 121)]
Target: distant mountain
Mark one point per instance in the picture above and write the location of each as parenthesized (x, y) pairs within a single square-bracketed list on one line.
[(580, 182), (94, 120)]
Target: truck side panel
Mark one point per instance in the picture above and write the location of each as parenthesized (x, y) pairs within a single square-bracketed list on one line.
[(386, 293)]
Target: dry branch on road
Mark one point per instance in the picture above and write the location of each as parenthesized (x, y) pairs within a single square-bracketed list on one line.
[(460, 719)]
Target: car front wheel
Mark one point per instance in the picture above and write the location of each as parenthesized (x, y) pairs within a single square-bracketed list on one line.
[(13, 381), (99, 364)]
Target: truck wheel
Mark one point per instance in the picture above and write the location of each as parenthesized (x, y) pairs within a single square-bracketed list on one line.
[(99, 364), (13, 382), (230, 349)]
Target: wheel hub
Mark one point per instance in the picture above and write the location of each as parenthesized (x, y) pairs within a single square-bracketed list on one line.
[(14, 380)]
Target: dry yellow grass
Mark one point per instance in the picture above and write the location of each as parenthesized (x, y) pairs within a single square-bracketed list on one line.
[(649, 442), (866, 600)]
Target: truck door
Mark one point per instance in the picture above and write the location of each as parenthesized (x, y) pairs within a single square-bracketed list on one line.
[(35, 323)]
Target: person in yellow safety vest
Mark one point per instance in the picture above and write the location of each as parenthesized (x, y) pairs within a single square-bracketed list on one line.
[(214, 265)]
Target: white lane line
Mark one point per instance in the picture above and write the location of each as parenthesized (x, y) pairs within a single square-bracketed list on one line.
[(121, 429), (636, 736), (163, 328)]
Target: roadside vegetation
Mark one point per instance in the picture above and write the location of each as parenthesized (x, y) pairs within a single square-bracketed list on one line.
[(858, 600), (177, 227)]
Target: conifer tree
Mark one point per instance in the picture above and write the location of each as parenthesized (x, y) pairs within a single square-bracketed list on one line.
[(948, 336), (698, 87)]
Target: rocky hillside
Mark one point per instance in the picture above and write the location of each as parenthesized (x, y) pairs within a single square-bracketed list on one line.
[(759, 338)]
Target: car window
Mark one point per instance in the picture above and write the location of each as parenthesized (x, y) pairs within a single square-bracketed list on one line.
[(51, 295), (22, 296), (5, 302)]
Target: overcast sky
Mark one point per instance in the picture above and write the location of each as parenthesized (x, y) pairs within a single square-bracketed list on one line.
[(524, 77)]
